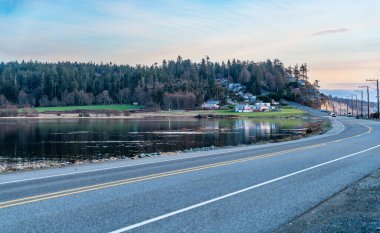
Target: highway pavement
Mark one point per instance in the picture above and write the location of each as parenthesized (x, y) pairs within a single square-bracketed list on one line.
[(245, 189)]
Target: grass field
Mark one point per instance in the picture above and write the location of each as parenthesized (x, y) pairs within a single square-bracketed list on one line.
[(284, 112), (117, 107)]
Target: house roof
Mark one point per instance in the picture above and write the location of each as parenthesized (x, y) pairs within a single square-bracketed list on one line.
[(212, 102), (241, 106)]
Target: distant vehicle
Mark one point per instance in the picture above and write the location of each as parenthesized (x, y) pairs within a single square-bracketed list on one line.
[(349, 114), (333, 115)]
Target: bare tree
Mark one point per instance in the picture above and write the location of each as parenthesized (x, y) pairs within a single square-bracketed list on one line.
[(103, 98), (123, 96), (23, 98)]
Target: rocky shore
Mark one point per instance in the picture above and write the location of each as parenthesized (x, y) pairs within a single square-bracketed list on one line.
[(308, 129)]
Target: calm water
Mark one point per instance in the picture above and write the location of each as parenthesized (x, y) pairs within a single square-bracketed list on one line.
[(61, 139)]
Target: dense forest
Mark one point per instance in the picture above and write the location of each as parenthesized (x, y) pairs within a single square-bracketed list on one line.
[(178, 83)]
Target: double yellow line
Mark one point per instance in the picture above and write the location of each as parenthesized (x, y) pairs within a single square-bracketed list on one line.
[(370, 129), (69, 192)]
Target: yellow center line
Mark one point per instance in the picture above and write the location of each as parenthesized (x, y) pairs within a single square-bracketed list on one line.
[(89, 188), (370, 129), (47, 196)]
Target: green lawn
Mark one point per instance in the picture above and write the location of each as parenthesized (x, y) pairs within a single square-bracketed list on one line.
[(284, 112), (118, 107)]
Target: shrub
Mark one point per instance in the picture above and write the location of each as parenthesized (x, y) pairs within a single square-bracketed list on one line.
[(264, 98), (29, 112), (8, 113), (274, 96)]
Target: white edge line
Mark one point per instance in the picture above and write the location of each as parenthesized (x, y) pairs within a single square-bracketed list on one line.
[(235, 193), (152, 162)]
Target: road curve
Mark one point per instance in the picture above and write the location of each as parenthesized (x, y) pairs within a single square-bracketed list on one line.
[(245, 189)]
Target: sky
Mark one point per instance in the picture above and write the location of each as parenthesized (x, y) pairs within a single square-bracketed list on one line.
[(338, 39)]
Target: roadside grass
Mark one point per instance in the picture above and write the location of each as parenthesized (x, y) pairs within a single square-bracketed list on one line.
[(283, 112), (117, 107)]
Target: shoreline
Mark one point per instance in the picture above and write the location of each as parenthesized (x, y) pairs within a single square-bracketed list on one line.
[(6, 168), (163, 115)]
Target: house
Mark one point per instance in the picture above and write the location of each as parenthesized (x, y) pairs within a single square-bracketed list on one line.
[(292, 79), (249, 98), (221, 81), (236, 87), (230, 101), (211, 105), (302, 82), (258, 107), (263, 107), (244, 108)]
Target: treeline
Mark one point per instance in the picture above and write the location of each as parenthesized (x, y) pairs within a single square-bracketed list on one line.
[(174, 84)]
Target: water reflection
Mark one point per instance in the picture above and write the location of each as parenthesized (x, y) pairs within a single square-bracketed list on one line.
[(63, 139)]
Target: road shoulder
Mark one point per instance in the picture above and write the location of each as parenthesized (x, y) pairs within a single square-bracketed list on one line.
[(355, 209)]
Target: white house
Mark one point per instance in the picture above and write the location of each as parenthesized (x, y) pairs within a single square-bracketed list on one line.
[(258, 107), (249, 98), (263, 107), (301, 82), (236, 87), (244, 108), (211, 105)]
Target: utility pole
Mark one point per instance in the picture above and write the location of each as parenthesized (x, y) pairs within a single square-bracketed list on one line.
[(361, 102), (348, 103), (361, 105), (377, 88), (357, 107), (333, 105), (367, 87), (368, 102)]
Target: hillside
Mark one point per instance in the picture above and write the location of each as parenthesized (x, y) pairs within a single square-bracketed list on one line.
[(174, 84)]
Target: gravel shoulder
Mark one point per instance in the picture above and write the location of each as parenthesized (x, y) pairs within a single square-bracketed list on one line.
[(355, 209)]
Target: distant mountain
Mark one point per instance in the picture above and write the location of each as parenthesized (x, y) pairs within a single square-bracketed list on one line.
[(344, 93)]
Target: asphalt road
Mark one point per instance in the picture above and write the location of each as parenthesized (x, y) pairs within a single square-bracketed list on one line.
[(245, 189)]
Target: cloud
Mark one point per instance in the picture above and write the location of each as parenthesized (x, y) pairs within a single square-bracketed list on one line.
[(329, 32)]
